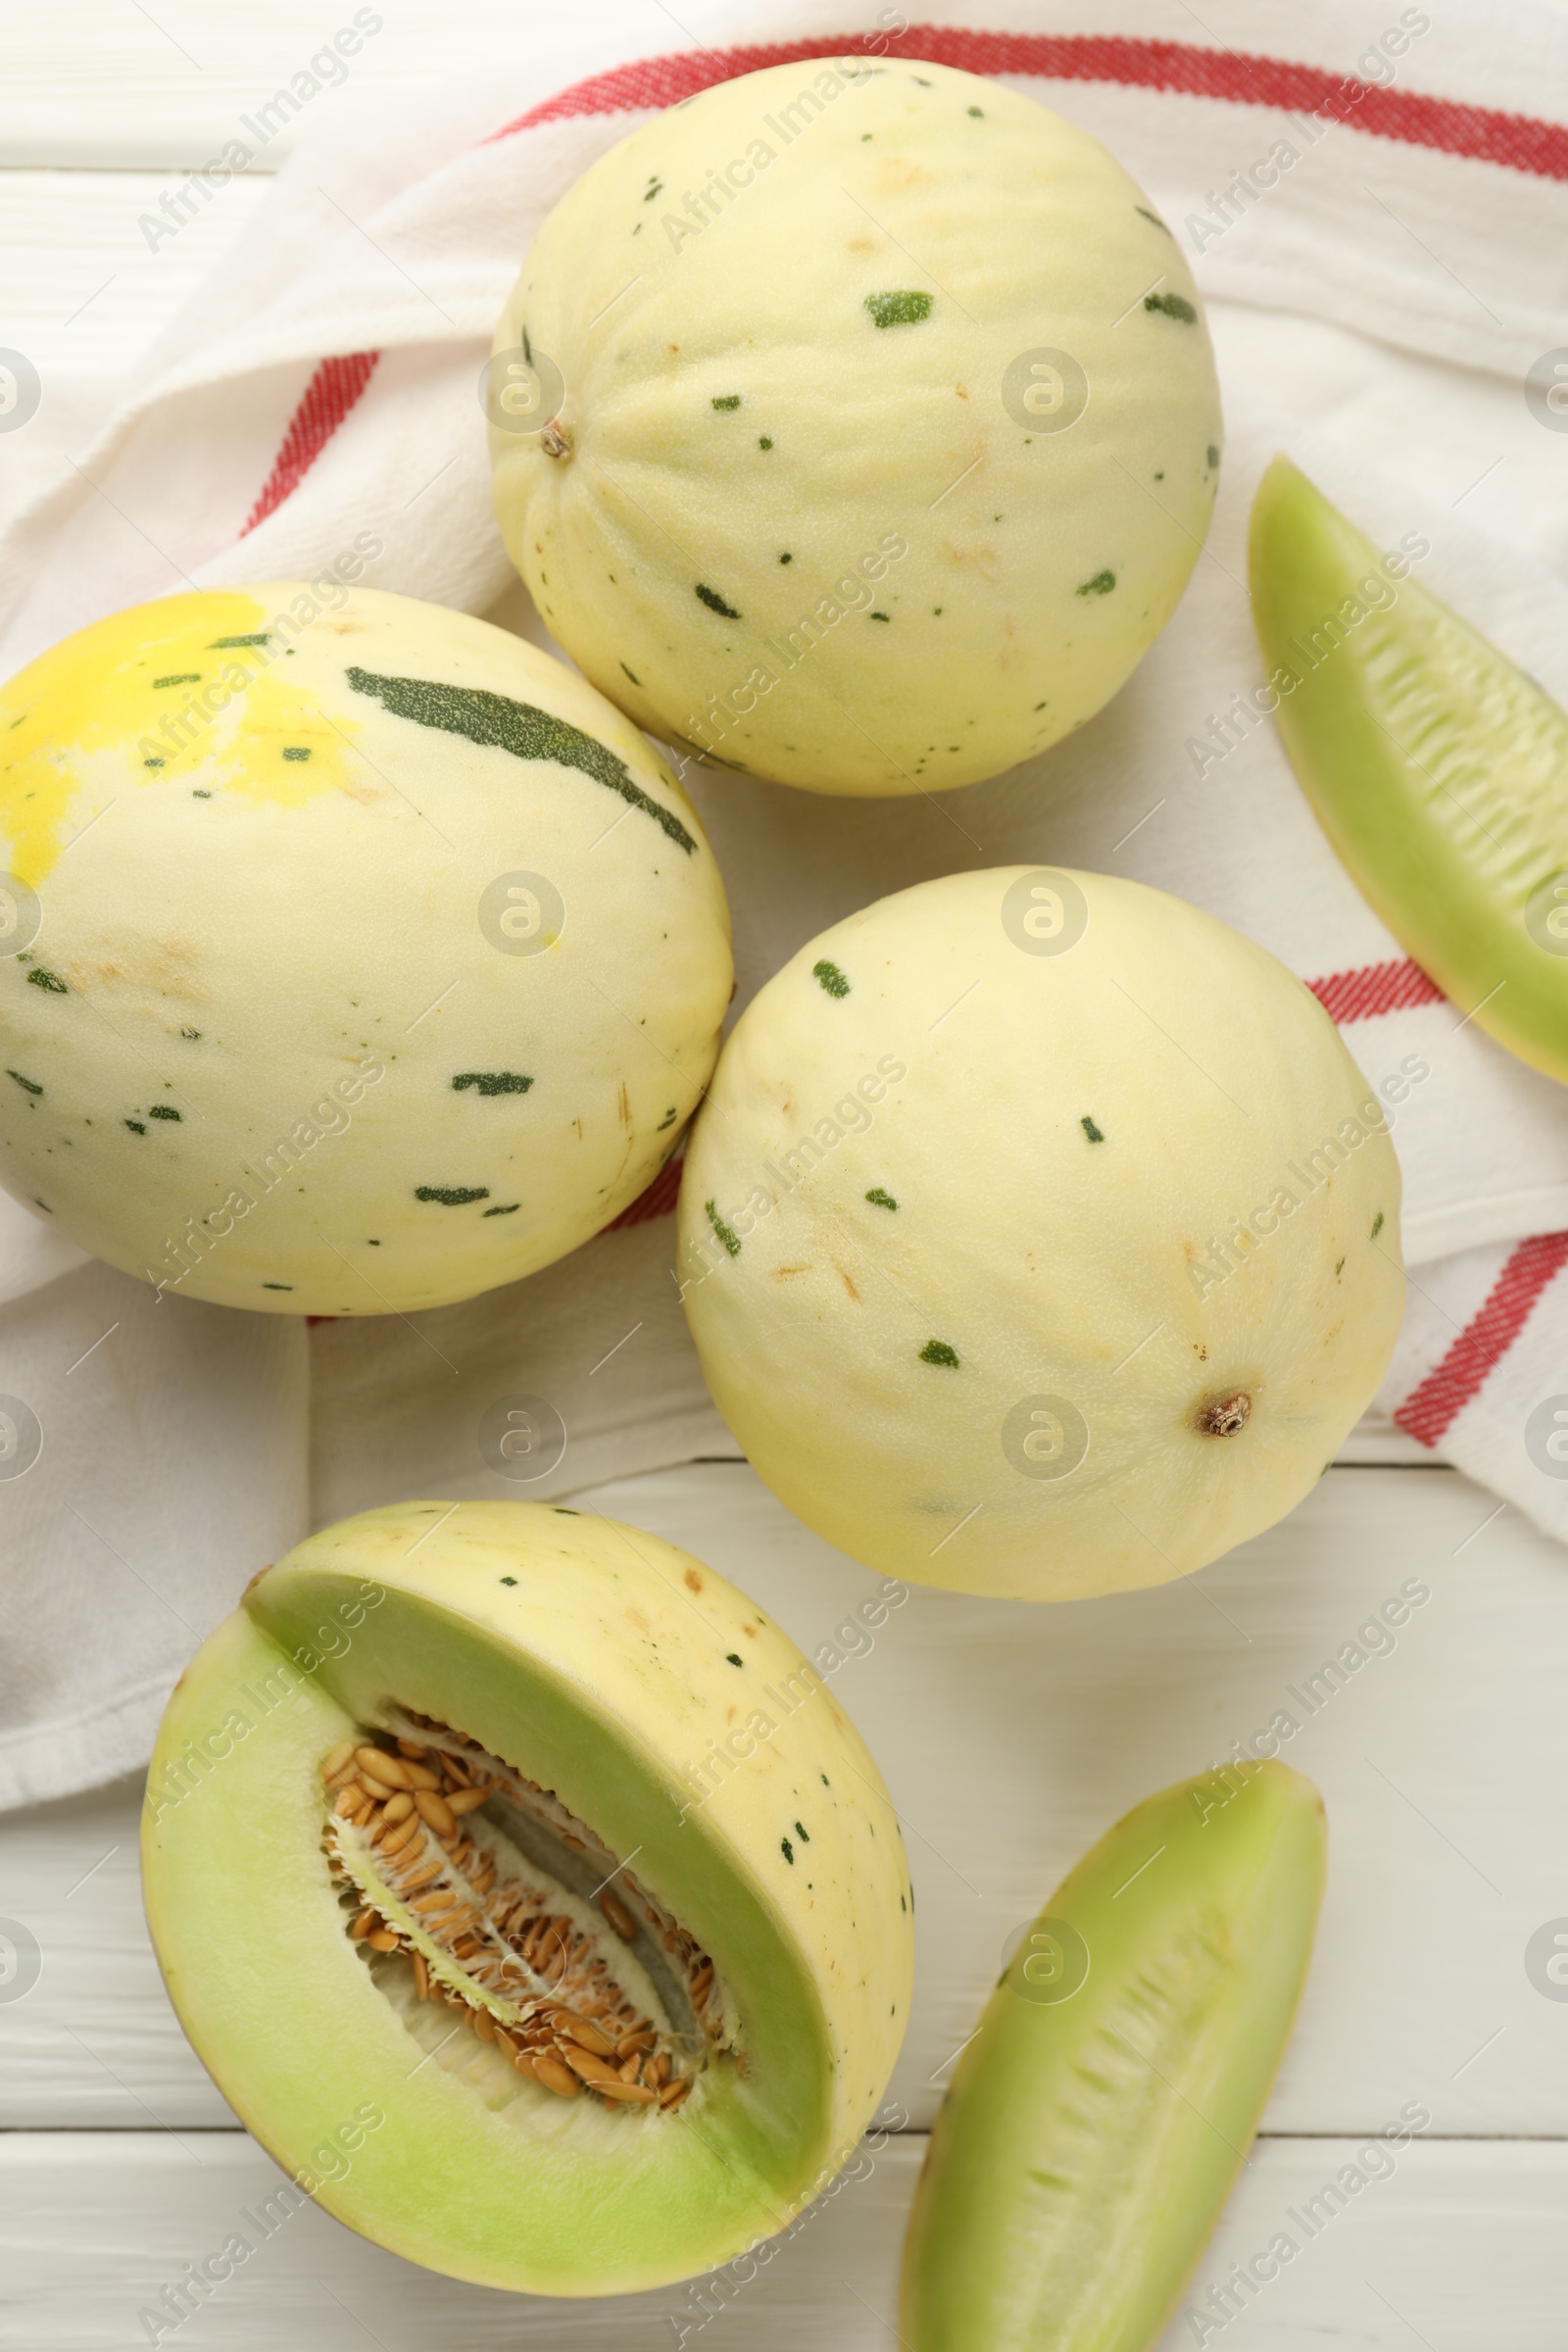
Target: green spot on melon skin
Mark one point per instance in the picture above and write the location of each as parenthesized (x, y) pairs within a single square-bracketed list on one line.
[(180, 677), (905, 306), (879, 1199), (152, 763), (192, 1034), (1377, 1226), (136, 1127), (452, 1195), (1213, 456), (830, 978), (504, 1209), (667, 1120), (765, 441), (715, 602), (527, 733), (879, 616), (296, 751), (1101, 585), (1153, 217), (786, 558), (727, 400), (1095, 1134), (801, 1835), (219, 643), (975, 110), (937, 1351), (632, 674), (196, 793), (509, 1580), (1174, 306), (726, 1234), (39, 978), (787, 1850), (1339, 1269), (491, 1082), (29, 1084), (278, 1286), (164, 1111), (733, 1659)]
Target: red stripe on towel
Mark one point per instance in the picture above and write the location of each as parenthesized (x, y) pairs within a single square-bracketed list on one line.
[(1375, 988), (1486, 1340), (332, 391), (1521, 142)]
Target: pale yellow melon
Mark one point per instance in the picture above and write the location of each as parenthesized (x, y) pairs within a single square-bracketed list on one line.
[(889, 431), (1039, 1236)]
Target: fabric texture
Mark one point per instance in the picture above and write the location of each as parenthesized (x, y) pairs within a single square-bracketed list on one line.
[(1376, 207)]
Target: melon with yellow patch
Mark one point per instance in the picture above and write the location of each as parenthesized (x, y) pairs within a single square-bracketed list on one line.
[(361, 958), (1039, 1236), (855, 422)]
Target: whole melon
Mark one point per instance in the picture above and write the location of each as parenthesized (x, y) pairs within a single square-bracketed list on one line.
[(357, 955), (1039, 1236), (856, 424)]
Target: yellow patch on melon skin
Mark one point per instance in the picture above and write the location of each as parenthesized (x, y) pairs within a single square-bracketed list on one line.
[(88, 715)]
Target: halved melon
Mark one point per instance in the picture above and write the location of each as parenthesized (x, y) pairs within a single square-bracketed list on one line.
[(528, 1895)]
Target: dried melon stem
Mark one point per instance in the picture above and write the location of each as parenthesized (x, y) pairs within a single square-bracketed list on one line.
[(457, 1869)]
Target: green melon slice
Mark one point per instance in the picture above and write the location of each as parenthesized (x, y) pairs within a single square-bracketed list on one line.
[(1438, 769), (1099, 2115), (656, 1856)]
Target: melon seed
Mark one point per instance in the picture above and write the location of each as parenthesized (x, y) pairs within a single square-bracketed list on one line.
[(554, 2076), (620, 1918), (585, 2065), (578, 2029), (434, 1809)]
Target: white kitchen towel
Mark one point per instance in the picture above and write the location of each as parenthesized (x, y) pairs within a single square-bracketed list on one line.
[(1375, 201)]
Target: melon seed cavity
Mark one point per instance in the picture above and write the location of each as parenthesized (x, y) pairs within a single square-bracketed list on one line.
[(466, 1886)]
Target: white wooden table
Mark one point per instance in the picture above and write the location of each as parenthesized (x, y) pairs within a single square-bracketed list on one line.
[(1010, 1736)]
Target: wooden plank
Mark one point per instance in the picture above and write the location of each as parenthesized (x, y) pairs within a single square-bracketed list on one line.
[(1459, 2246), (82, 288), (164, 87), (1010, 1737)]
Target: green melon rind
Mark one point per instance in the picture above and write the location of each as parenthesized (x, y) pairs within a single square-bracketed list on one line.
[(284, 2013), (1087, 2146), (1437, 768)]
